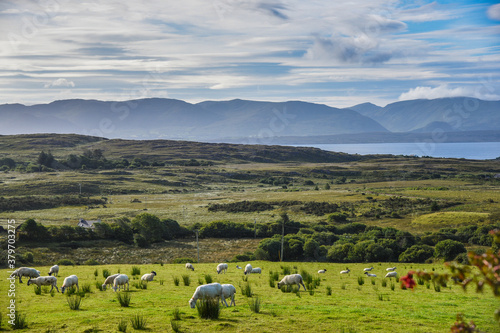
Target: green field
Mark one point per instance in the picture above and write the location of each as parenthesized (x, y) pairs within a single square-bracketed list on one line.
[(351, 307)]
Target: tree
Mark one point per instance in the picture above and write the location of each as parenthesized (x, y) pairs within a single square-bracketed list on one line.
[(417, 253), (311, 248), (448, 249), (271, 247), (149, 226), (34, 231)]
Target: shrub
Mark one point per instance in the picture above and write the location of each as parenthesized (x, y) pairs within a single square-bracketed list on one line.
[(183, 260), (208, 308), (65, 262), (124, 299), (74, 301), (448, 249), (91, 262), (417, 253), (28, 256), (138, 322)]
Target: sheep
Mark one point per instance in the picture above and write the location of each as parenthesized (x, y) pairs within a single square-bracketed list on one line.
[(256, 270), (229, 291), (25, 271), (148, 276), (368, 269), (239, 267), (221, 267), (69, 282), (120, 280), (322, 271), (391, 274), (189, 266), (44, 281), (390, 269), (370, 275), (109, 280), (211, 290), (347, 271), (54, 270), (248, 269), (292, 279)]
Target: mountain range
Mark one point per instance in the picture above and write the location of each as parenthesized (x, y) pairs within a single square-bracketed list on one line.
[(245, 121)]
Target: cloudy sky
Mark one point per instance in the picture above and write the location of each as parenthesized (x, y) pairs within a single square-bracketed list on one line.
[(339, 53)]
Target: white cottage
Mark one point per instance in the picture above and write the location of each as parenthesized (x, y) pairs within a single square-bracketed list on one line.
[(88, 224)]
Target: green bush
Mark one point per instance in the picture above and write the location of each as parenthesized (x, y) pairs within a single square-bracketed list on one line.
[(417, 254), (65, 262), (448, 249)]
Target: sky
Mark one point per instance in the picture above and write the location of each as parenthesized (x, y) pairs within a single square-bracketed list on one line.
[(339, 53)]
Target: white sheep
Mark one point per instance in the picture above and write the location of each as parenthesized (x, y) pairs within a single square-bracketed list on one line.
[(69, 282), (120, 281), (239, 267), (256, 270), (391, 274), (248, 269), (44, 281), (25, 271), (229, 291), (368, 269), (211, 290), (370, 275), (189, 266), (347, 271), (322, 271), (292, 279), (221, 267), (54, 270), (109, 280), (390, 269), (148, 276)]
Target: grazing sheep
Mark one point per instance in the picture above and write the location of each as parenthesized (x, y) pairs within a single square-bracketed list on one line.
[(109, 280), (238, 267), (120, 280), (347, 271), (189, 266), (391, 274), (322, 271), (221, 267), (25, 271), (368, 269), (211, 290), (256, 270), (390, 269), (69, 282), (292, 279), (248, 269), (45, 281), (148, 276), (229, 291), (370, 275), (54, 270)]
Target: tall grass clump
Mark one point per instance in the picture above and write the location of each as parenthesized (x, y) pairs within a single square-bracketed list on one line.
[(38, 290), (86, 288), (141, 285), (176, 314), (186, 280), (138, 322), (122, 325), (246, 290), (361, 280), (254, 304), (384, 283), (286, 270), (20, 321), (136, 271), (176, 280), (272, 282), (74, 301), (176, 327), (96, 273), (98, 285), (123, 298), (105, 273), (208, 308), (274, 275), (328, 291), (208, 278)]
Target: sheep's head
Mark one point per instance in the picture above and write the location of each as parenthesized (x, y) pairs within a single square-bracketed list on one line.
[(153, 272), (50, 273), (279, 285), (192, 303), (29, 282), (103, 286), (63, 289)]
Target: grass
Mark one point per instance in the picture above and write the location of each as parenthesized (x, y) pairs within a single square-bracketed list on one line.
[(254, 304), (74, 301), (138, 322), (208, 308), (124, 298), (361, 310)]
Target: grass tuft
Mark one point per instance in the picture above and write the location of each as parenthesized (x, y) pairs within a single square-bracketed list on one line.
[(208, 308), (254, 304), (176, 314), (138, 322), (123, 298), (208, 278), (176, 280), (135, 271), (176, 326), (186, 280), (246, 290), (20, 321), (122, 325), (74, 301)]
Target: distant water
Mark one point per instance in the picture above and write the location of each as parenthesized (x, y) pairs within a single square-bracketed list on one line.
[(468, 150)]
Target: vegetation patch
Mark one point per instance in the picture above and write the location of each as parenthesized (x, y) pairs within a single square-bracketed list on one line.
[(451, 219)]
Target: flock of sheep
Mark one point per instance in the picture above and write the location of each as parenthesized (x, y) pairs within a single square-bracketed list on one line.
[(211, 290)]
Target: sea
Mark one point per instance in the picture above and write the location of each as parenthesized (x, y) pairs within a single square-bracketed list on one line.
[(467, 150)]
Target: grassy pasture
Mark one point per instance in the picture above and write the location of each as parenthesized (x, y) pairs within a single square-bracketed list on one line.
[(350, 307)]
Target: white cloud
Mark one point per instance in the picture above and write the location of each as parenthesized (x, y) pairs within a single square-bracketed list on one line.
[(443, 91), (494, 12), (59, 83)]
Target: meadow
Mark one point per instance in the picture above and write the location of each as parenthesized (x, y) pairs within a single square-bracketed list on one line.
[(340, 303)]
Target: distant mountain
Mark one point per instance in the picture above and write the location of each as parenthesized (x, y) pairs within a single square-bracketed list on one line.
[(445, 114), (174, 119)]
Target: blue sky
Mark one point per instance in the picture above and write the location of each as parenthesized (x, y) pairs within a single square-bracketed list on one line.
[(336, 53)]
